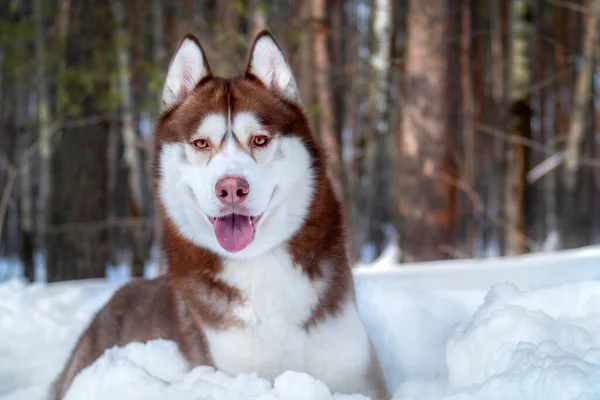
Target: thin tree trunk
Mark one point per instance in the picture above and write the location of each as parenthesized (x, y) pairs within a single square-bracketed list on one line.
[(44, 129), (548, 98), (496, 163), (520, 125), (597, 125), (322, 67), (306, 77), (427, 189), (112, 169), (468, 137), (158, 38), (482, 104), (5, 196), (354, 192), (550, 185), (580, 115), (22, 120), (560, 122), (63, 30), (128, 132), (27, 246), (381, 144)]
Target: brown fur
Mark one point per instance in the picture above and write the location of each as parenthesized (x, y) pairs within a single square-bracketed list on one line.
[(176, 306)]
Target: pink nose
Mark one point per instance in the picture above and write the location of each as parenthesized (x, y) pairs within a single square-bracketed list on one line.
[(232, 190)]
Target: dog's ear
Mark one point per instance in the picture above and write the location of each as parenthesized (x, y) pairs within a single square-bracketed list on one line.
[(188, 66), (268, 64)]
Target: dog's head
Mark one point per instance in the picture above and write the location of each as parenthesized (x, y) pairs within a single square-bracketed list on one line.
[(236, 158)]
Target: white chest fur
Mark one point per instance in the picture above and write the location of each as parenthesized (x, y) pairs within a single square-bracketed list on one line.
[(278, 299)]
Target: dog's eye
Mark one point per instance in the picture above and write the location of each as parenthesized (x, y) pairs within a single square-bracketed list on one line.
[(201, 144), (259, 141)]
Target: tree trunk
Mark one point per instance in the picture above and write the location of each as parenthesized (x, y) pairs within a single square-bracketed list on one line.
[(494, 165), (322, 67), (44, 128), (549, 97), (128, 132), (27, 240), (63, 30), (580, 115), (468, 135), (427, 191), (560, 123), (22, 118), (74, 249), (380, 146), (354, 192), (481, 146), (520, 125)]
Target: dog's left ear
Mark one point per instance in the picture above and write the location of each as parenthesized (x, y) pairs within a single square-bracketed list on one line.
[(268, 64)]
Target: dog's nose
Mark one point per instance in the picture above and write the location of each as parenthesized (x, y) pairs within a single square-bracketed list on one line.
[(232, 189)]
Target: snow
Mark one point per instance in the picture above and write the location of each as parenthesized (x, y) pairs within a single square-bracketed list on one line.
[(139, 371), (512, 328)]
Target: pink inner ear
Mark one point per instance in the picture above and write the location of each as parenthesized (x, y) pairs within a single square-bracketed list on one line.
[(186, 77), (273, 81)]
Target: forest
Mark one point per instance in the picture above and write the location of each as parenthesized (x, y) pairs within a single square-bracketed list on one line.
[(453, 128)]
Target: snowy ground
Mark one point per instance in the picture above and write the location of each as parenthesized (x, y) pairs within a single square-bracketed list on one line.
[(520, 328)]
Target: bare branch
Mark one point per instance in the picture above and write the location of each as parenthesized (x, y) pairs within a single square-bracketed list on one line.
[(570, 5), (532, 144), (545, 166)]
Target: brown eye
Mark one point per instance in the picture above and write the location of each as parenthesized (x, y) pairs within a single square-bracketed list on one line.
[(260, 141), (201, 144)]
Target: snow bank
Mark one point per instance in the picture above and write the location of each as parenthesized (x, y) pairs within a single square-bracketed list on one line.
[(156, 370), (38, 326), (542, 344), (453, 331)]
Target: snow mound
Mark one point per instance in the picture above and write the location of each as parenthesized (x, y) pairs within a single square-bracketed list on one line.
[(156, 370), (542, 344), (535, 345), (448, 331), (39, 325)]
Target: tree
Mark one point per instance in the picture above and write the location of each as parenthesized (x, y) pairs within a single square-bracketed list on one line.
[(380, 144), (468, 111), (128, 132), (322, 68), (77, 236), (44, 128), (520, 126), (427, 187), (582, 114)]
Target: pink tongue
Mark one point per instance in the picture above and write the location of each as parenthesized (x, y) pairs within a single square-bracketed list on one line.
[(234, 232)]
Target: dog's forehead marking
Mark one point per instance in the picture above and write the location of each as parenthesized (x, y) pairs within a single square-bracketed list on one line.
[(213, 126), (246, 124), (221, 129)]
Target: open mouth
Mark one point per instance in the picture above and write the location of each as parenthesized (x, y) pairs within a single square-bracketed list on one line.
[(234, 232)]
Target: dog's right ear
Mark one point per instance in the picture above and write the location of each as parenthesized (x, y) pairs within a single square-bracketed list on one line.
[(188, 67)]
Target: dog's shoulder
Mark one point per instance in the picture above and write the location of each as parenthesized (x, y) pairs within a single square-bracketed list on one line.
[(141, 310)]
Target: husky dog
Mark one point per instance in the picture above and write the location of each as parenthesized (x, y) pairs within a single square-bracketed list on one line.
[(259, 279)]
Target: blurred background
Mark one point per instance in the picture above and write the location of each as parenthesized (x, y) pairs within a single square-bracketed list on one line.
[(454, 128)]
